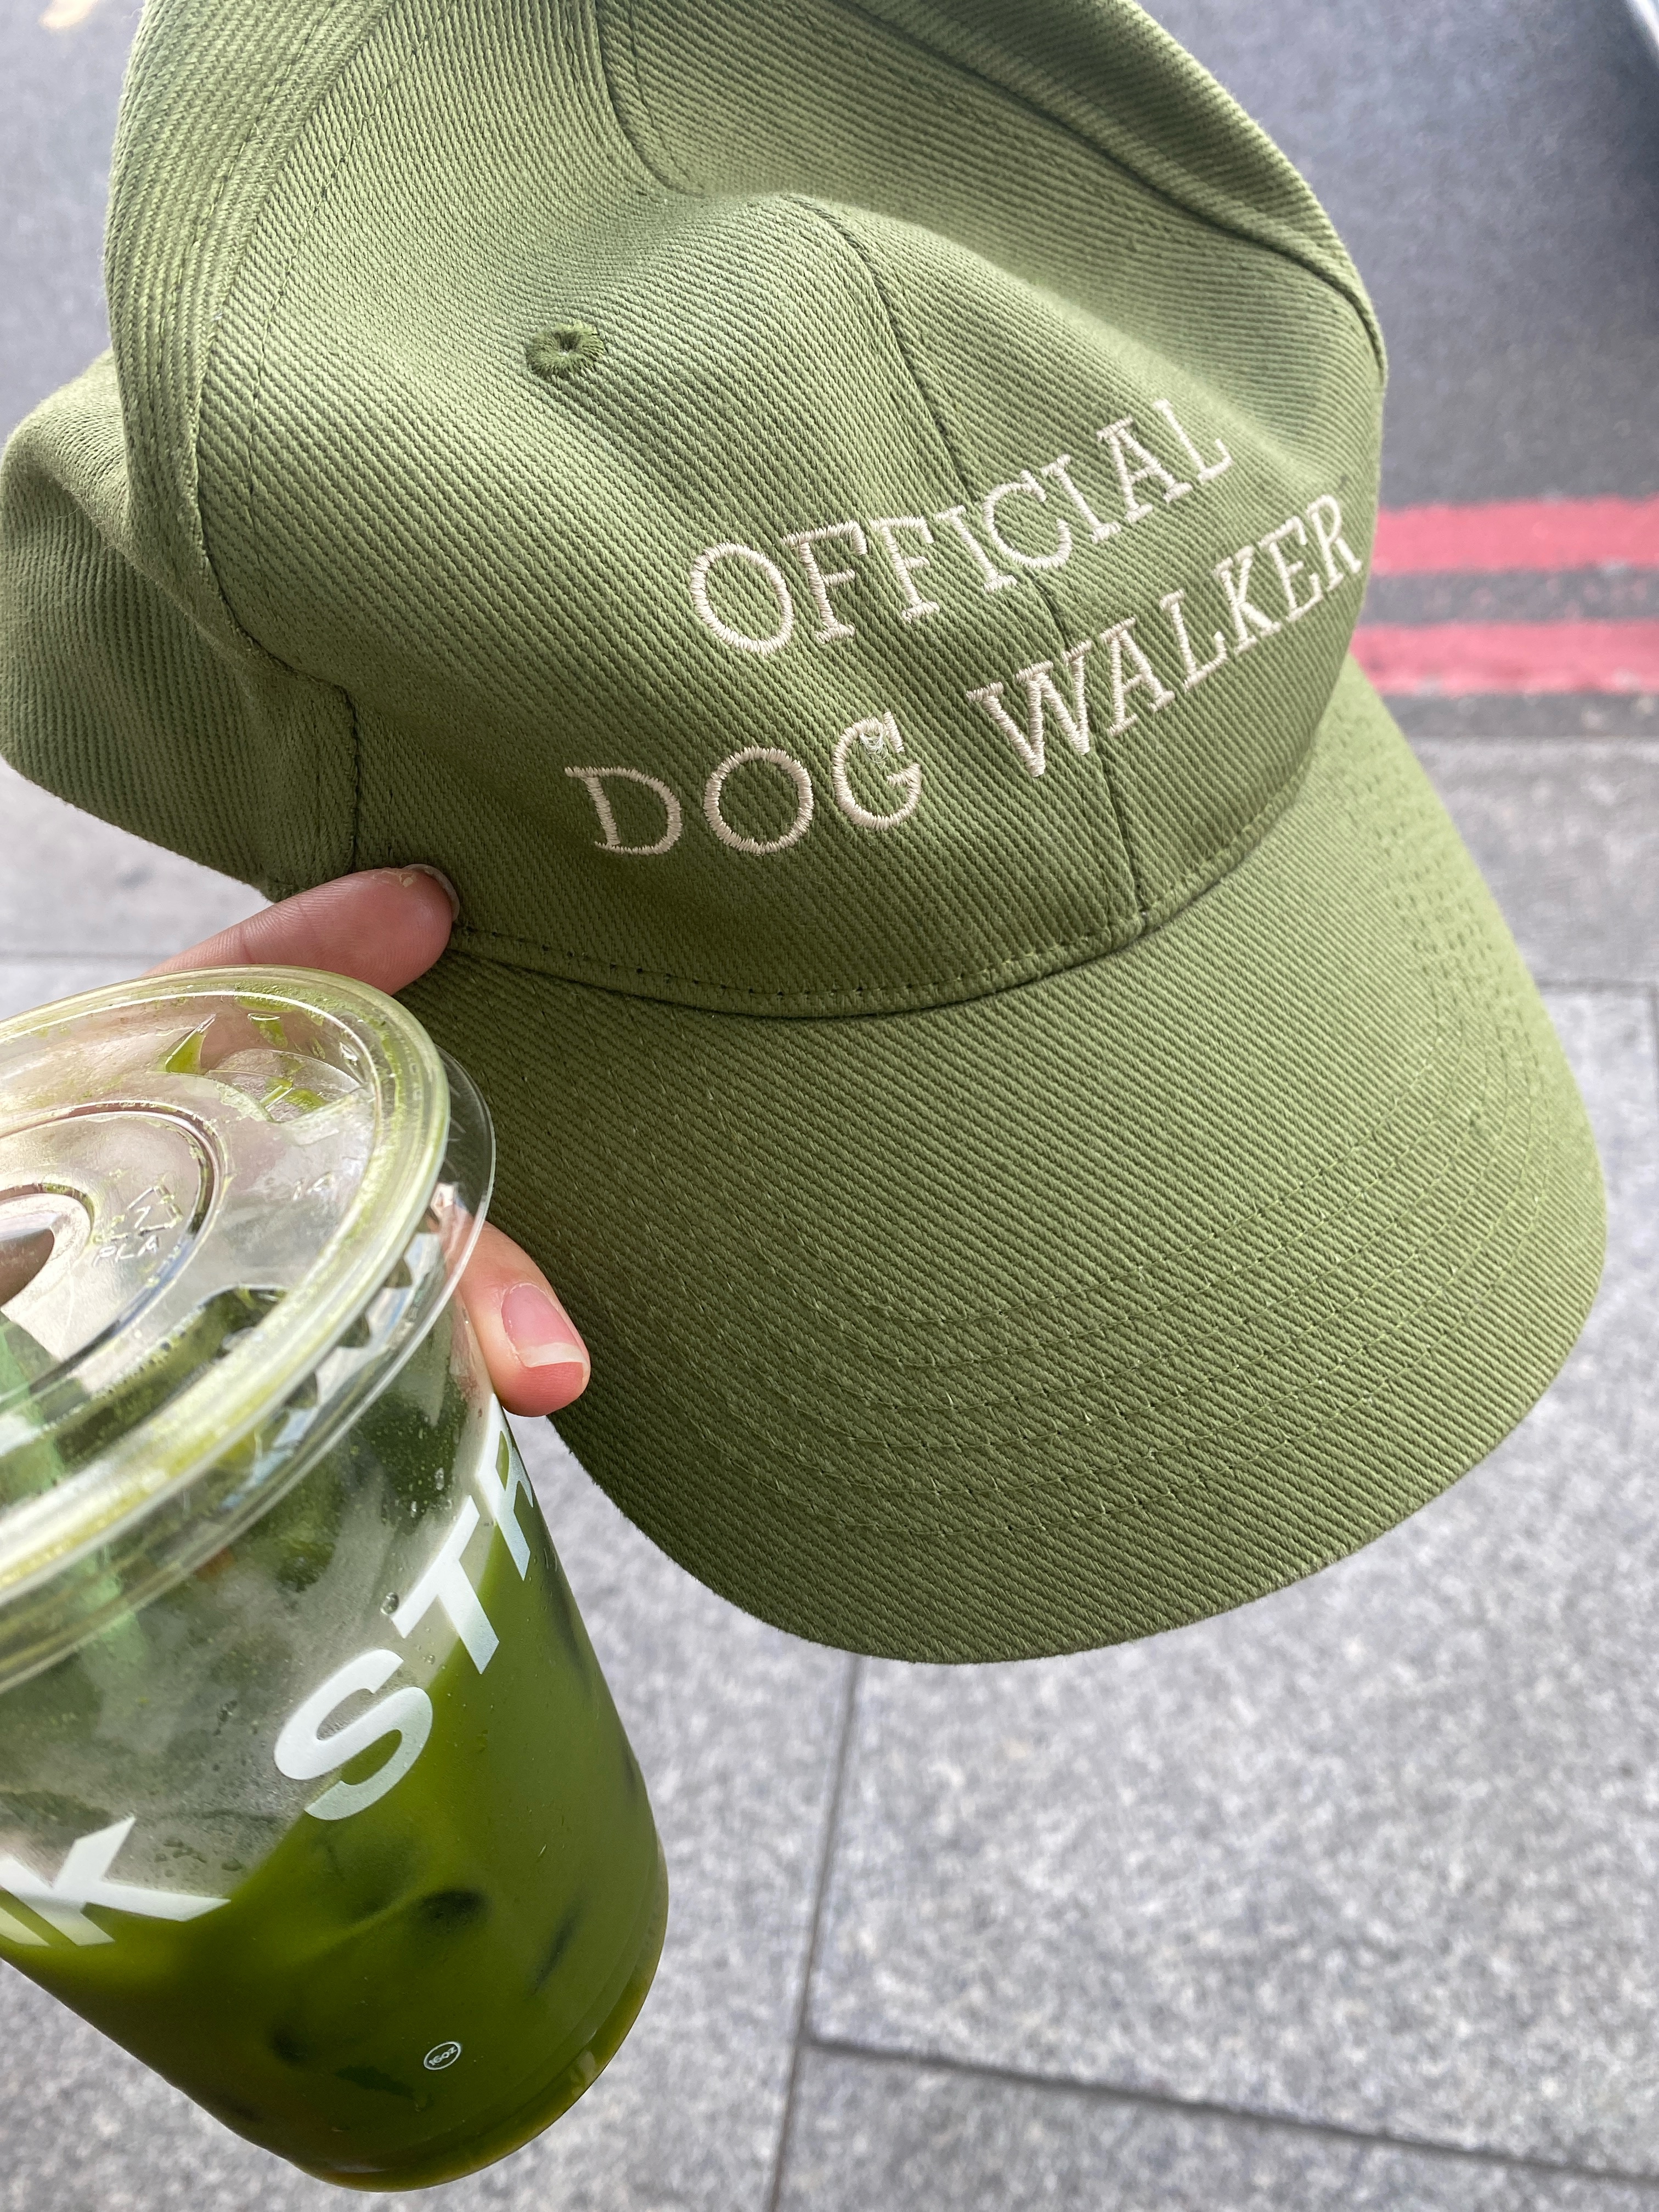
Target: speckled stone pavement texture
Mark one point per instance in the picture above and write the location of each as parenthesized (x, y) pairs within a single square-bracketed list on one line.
[(1379, 1852)]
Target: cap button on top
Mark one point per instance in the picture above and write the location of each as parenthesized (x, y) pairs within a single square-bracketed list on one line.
[(565, 349)]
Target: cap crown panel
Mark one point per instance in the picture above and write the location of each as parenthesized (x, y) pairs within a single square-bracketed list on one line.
[(929, 107), (1012, 369), (500, 569), (214, 103), (1193, 263)]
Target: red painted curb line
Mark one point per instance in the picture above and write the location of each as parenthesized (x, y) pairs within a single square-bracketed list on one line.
[(1521, 534), (1452, 658), (1459, 658)]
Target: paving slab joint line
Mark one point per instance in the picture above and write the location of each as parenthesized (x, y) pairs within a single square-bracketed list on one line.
[(1571, 740), (1598, 986), (809, 1970), (1108, 2092)]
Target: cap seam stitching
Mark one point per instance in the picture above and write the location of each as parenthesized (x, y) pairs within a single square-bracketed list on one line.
[(299, 238), (1353, 299), (1420, 937), (1205, 1250), (1365, 315), (1532, 1173), (1092, 944), (1529, 1183), (342, 154), (203, 217), (1515, 1047), (241, 629), (1410, 1081), (193, 516), (1210, 1248), (657, 163), (964, 485)]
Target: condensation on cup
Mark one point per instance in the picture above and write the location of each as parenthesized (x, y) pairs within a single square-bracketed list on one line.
[(312, 1794)]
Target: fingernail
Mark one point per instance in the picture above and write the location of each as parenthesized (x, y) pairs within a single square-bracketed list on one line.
[(540, 1334), (426, 868)]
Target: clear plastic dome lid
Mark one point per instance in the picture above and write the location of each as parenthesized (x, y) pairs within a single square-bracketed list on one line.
[(231, 1202)]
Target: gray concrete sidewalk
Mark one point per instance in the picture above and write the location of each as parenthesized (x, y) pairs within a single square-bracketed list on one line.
[(1349, 1899)]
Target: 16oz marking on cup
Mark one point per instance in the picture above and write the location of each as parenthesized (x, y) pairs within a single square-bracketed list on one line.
[(440, 2056)]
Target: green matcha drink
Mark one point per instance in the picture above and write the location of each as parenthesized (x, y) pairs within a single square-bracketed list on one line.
[(312, 1793)]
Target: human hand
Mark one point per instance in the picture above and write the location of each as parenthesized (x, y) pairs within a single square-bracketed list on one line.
[(385, 926)]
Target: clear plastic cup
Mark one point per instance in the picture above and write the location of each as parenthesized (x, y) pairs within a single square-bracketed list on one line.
[(312, 1793)]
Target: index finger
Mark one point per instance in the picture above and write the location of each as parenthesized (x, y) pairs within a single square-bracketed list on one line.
[(384, 926)]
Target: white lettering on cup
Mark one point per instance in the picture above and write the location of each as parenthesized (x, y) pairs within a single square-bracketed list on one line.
[(445, 1582), (303, 1752), (15, 1932), (84, 1879), (500, 1491)]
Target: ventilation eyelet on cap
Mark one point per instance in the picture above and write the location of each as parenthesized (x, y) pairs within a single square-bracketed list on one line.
[(565, 349)]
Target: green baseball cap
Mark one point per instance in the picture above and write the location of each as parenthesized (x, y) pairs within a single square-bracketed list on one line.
[(838, 527)]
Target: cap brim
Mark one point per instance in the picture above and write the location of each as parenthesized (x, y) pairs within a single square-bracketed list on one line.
[(1088, 1308)]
